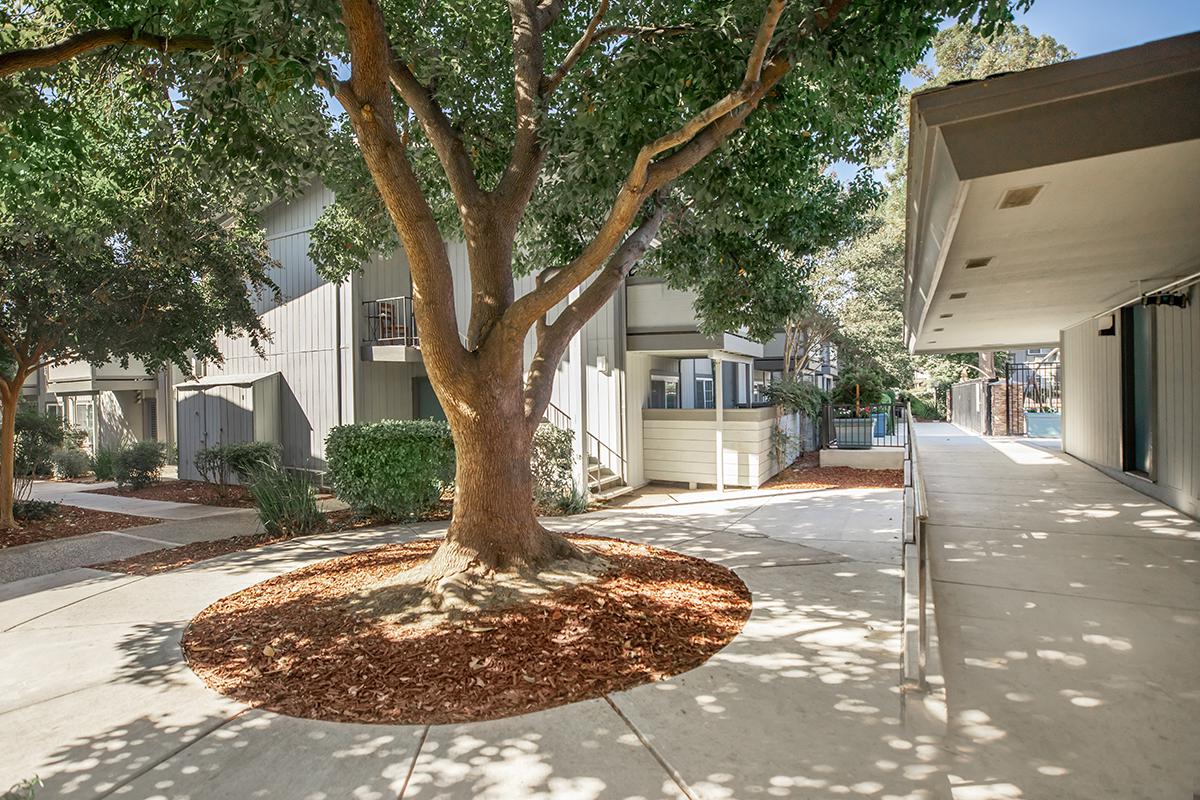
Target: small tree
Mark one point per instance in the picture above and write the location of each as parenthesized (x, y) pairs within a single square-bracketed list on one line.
[(108, 253)]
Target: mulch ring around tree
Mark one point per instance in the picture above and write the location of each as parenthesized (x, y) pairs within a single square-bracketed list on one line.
[(183, 491), (292, 645), (66, 521)]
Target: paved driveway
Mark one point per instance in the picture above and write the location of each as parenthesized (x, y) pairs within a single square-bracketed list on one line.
[(95, 697)]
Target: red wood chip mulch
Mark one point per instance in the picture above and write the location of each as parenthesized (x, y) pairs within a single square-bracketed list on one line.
[(70, 521), (206, 494), (803, 476), (288, 645)]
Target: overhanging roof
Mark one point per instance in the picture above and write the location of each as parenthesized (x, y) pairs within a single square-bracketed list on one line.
[(1112, 144)]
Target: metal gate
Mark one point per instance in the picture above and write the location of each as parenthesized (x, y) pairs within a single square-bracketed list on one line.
[(1030, 388)]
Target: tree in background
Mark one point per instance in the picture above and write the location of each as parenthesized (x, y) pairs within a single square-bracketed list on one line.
[(863, 282), (107, 250), (582, 136)]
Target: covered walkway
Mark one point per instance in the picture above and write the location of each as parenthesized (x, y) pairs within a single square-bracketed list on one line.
[(1068, 622)]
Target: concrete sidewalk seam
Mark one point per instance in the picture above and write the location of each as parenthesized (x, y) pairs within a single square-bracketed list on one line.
[(151, 539), (412, 765), (672, 773), (174, 752), (73, 602)]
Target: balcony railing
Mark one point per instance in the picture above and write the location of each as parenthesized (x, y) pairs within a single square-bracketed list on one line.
[(390, 321)]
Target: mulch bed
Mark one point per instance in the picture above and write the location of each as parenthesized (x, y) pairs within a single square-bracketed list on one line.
[(206, 494), (804, 473), (68, 521), (291, 646)]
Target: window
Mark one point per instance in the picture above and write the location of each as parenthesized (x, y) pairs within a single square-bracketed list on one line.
[(705, 397), (664, 391), (1137, 390), (81, 415)]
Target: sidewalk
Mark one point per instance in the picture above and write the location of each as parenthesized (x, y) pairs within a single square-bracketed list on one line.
[(803, 704), (1068, 618), (183, 523)]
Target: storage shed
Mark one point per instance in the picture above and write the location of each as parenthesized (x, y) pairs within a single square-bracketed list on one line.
[(224, 409)]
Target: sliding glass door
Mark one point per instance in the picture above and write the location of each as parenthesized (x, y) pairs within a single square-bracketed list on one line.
[(1137, 390)]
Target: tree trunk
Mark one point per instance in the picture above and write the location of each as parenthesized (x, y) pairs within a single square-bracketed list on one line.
[(495, 526), (8, 430)]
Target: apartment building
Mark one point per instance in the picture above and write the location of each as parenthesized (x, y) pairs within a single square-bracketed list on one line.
[(647, 395)]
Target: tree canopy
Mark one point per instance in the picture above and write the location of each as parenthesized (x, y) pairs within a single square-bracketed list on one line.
[(862, 282)]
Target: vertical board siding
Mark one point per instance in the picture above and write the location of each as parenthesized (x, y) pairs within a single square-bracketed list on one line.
[(1092, 400)]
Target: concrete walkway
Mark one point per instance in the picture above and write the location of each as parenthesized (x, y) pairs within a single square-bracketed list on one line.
[(183, 523), (1068, 616), (802, 704)]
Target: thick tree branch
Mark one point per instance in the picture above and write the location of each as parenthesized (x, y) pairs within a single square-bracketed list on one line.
[(82, 43), (374, 121), (695, 139), (520, 175), (446, 140), (553, 338)]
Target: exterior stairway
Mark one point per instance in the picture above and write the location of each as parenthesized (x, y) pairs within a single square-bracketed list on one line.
[(603, 482)]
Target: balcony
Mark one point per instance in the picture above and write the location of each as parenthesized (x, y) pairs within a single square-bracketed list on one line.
[(390, 330), (79, 377)]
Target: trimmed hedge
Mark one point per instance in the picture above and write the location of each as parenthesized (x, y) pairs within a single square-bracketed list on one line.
[(394, 469)]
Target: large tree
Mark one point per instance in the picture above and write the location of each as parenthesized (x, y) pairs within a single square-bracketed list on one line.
[(578, 135), (107, 250)]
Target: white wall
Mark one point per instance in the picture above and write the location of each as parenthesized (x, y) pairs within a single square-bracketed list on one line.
[(679, 445)]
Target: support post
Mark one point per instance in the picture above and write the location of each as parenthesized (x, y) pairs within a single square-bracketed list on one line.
[(577, 406), (719, 402)]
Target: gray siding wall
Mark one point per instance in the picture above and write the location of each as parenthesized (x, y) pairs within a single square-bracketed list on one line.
[(1092, 402), (305, 334)]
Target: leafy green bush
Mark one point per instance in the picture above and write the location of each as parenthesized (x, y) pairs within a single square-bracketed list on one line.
[(799, 396), (70, 463), (286, 502), (104, 464), (37, 437), (28, 510), (139, 465), (237, 459), (575, 502), (552, 464), (394, 469)]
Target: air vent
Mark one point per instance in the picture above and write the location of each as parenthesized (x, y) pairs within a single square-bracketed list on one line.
[(945, 316), (978, 263), (1019, 198), (938, 330), (957, 295)]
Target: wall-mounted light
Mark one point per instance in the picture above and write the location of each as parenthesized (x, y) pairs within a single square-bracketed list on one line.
[(602, 364), (1107, 325)]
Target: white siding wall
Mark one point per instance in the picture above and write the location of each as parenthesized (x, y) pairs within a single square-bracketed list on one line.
[(1092, 402), (679, 445)]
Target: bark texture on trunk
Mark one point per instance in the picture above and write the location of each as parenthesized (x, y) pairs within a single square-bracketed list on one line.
[(8, 431), (495, 526)]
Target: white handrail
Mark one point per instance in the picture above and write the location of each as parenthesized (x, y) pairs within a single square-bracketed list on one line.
[(914, 588)]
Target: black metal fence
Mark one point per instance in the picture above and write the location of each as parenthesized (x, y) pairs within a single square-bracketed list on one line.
[(1030, 388), (859, 427)]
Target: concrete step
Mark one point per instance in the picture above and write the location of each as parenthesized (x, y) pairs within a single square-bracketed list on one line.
[(611, 493)]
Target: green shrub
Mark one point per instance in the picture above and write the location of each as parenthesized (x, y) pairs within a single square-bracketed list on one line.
[(237, 459), (28, 510), (574, 502), (552, 464), (70, 463), (286, 502), (799, 396), (104, 464), (37, 437), (139, 465), (391, 469), (23, 790)]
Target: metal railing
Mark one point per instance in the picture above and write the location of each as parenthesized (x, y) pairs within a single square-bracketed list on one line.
[(914, 549), (390, 321), (605, 457), (557, 417), (858, 427)]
